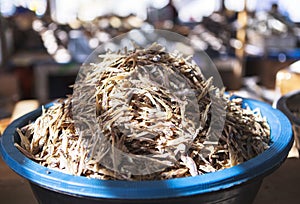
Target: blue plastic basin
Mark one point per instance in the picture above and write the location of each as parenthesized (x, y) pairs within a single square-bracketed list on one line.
[(238, 184)]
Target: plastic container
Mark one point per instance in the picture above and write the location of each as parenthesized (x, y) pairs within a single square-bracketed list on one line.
[(289, 104), (238, 184)]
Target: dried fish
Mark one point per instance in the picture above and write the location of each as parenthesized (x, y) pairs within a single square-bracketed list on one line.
[(143, 108)]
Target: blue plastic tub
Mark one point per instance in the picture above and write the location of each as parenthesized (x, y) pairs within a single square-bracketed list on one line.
[(238, 184)]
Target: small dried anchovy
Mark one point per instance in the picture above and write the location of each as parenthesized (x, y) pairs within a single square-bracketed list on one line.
[(153, 117)]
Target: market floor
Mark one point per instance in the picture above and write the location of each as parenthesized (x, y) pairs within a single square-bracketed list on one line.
[(281, 187)]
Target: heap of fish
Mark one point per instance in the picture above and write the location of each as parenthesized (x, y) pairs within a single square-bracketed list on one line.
[(148, 102)]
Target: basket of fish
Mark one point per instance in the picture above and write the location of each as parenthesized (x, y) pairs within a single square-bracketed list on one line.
[(145, 126)]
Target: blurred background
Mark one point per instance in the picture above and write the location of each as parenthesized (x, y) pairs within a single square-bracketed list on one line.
[(255, 45), (44, 42)]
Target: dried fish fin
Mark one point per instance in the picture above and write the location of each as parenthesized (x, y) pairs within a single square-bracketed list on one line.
[(24, 140), (190, 164)]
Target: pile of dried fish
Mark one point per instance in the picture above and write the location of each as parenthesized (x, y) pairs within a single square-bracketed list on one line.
[(140, 116)]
